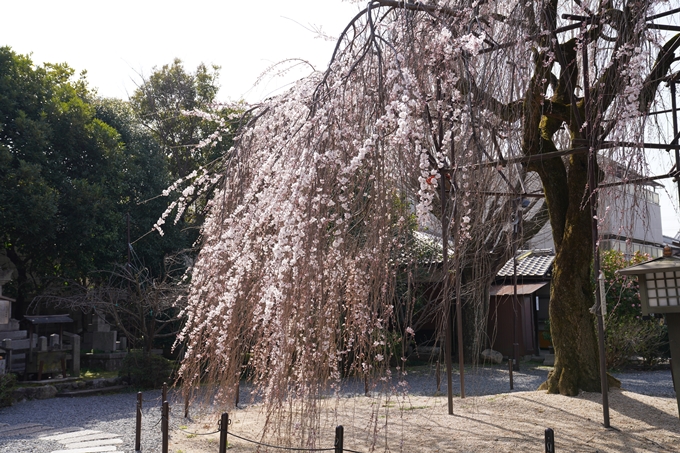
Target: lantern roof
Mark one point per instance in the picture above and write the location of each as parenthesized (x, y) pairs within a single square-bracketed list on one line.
[(666, 262)]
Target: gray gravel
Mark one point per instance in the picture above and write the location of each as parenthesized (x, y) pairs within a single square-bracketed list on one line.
[(116, 413)]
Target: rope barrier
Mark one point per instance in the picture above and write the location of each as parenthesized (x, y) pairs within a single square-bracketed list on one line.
[(282, 448), (160, 420), (198, 434)]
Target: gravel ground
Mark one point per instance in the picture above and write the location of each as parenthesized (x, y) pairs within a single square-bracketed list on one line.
[(116, 413)]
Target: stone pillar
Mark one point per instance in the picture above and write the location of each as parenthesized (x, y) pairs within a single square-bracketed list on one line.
[(42, 344), (54, 340), (75, 352)]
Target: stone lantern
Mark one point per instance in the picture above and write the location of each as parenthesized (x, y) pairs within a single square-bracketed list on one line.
[(659, 281)]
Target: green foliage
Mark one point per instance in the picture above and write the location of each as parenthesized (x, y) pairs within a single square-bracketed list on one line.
[(627, 333), (628, 337), (7, 382), (146, 370), (623, 294), (60, 175), (146, 175), (161, 103)]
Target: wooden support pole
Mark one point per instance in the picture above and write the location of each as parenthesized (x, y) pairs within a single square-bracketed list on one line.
[(549, 441), (138, 425), (339, 439), (510, 366), (224, 423), (165, 427)]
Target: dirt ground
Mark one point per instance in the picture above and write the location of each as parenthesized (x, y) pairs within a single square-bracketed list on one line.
[(512, 422)]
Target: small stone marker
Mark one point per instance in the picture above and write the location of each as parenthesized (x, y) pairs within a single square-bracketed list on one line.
[(42, 344), (54, 340)]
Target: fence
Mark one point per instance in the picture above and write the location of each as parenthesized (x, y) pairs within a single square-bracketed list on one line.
[(223, 430)]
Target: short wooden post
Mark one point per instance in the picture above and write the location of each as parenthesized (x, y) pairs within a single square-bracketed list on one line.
[(224, 423), (138, 426), (186, 406), (164, 398), (165, 426), (512, 384), (339, 439), (549, 441)]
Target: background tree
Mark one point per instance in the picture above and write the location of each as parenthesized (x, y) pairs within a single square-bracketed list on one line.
[(60, 175), (161, 103), (72, 167), (146, 176), (143, 307)]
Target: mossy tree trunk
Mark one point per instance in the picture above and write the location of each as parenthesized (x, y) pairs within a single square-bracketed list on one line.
[(565, 183)]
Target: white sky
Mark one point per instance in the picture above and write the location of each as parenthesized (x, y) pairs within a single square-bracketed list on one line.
[(119, 40)]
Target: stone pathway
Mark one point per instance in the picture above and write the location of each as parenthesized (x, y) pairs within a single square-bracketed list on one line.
[(73, 440)]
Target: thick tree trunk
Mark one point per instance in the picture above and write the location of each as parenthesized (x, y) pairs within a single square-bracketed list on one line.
[(571, 294)]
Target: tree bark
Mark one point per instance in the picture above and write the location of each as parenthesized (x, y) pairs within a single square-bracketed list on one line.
[(571, 295)]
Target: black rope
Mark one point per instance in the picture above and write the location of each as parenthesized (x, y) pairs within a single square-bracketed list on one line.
[(282, 448), (198, 434), (160, 420)]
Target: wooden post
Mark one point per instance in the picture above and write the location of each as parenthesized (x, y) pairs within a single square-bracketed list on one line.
[(512, 384), (339, 439), (164, 398), (224, 423), (549, 441), (165, 426), (673, 323), (186, 406), (138, 426)]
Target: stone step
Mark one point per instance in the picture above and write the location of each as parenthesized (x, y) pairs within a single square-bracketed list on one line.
[(95, 443), (14, 335), (9, 429), (70, 435), (40, 429), (13, 325), (88, 392), (88, 449), (55, 431), (98, 436), (23, 344)]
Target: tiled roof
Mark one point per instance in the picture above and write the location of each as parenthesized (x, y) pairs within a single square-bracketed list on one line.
[(530, 263)]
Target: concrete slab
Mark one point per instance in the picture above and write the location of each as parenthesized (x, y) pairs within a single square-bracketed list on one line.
[(71, 435), (55, 431), (4, 431), (30, 430), (95, 443), (89, 437), (89, 449)]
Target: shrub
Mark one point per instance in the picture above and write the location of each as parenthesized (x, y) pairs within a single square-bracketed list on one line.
[(632, 337), (7, 382), (145, 370), (628, 334)]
